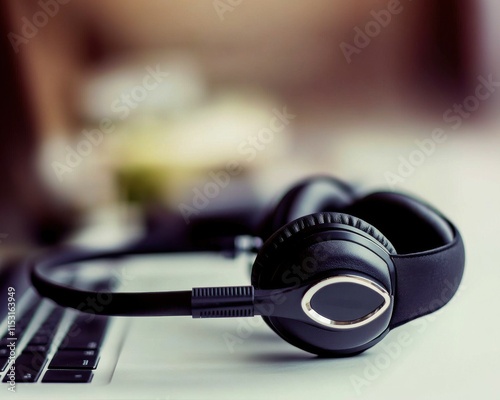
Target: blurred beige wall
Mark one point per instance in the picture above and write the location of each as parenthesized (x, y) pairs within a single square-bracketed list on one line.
[(291, 47)]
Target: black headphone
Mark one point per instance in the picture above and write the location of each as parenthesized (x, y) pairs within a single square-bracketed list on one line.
[(336, 271)]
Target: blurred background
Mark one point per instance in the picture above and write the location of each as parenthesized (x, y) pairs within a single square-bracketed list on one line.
[(114, 108)]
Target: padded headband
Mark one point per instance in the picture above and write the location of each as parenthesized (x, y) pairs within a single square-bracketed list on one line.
[(323, 193), (410, 225), (431, 257)]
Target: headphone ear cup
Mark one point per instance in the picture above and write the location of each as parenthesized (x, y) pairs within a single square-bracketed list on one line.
[(307, 197), (290, 258)]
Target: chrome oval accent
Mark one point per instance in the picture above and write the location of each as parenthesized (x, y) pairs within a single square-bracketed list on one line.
[(320, 319)]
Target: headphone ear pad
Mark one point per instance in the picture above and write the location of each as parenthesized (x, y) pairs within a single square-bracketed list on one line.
[(267, 272), (307, 197)]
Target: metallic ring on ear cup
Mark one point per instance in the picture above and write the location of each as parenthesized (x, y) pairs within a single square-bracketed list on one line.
[(311, 312), (351, 248)]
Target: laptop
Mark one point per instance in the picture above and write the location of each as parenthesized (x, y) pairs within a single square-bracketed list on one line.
[(62, 352)]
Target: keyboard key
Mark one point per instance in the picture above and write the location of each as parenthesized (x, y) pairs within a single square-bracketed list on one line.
[(23, 322), (67, 376), (39, 340), (75, 359), (4, 342), (53, 319), (28, 367), (85, 335), (36, 349), (43, 336), (4, 361)]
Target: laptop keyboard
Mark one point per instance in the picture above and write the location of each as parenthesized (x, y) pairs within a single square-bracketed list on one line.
[(73, 361)]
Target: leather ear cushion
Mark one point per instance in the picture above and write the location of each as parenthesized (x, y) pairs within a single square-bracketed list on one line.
[(261, 272), (411, 225), (310, 196)]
